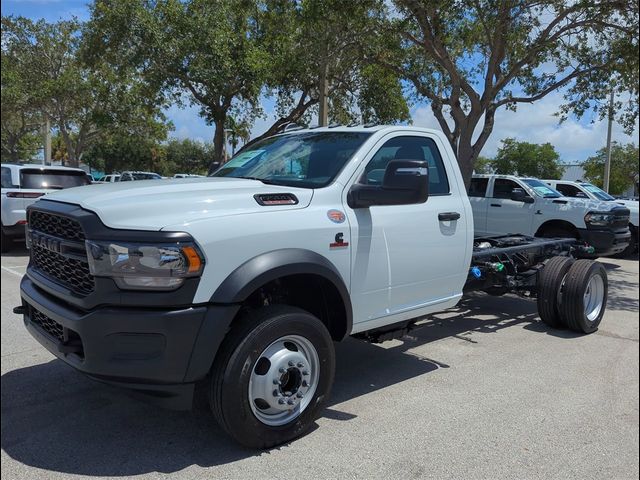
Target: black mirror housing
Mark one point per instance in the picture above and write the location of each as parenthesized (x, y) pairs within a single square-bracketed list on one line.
[(405, 182), (519, 195)]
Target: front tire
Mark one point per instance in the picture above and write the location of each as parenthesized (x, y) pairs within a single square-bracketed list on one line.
[(272, 376)]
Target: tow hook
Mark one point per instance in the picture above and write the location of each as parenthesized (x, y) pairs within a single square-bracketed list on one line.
[(19, 310)]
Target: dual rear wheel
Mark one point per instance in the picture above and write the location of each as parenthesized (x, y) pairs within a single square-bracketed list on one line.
[(572, 294)]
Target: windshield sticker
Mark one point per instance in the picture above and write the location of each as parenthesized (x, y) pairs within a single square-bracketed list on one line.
[(544, 191), (243, 158)]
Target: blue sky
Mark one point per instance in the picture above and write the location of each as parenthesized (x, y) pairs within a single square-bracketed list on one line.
[(575, 140)]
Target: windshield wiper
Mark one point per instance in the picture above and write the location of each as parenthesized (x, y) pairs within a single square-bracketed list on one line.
[(263, 180)]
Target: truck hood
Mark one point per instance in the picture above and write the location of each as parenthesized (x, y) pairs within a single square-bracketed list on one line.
[(586, 204), (154, 204)]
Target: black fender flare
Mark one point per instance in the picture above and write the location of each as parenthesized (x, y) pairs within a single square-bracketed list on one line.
[(268, 266)]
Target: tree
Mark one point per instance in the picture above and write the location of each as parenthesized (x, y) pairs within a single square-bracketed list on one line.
[(20, 121), (624, 168), (205, 52), (82, 101), (527, 159), (316, 52), (188, 156), (483, 165), (473, 57)]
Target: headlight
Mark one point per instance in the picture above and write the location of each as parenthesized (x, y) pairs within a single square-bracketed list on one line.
[(599, 219), (138, 266)]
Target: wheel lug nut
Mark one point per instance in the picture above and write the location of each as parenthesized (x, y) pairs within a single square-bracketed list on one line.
[(305, 373), (300, 365), (300, 395), (281, 401), (281, 370), (276, 381), (276, 393), (290, 363), (290, 402), (304, 383)]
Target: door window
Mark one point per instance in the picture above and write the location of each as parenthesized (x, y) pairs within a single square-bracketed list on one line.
[(503, 187), (478, 187), (408, 148), (570, 191)]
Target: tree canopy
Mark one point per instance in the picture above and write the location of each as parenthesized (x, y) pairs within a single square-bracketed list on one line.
[(472, 57), (624, 168), (527, 159)]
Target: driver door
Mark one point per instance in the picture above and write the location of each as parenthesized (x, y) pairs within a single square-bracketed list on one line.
[(402, 258), (505, 216)]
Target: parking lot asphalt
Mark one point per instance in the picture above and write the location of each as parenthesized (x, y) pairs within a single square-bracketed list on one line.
[(484, 390)]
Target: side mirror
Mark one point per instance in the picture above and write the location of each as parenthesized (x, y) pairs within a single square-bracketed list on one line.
[(519, 195), (405, 182)]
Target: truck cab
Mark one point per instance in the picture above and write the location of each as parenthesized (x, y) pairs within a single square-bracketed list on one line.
[(505, 204)]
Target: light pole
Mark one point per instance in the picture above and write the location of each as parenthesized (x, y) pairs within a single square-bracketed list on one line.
[(607, 162)]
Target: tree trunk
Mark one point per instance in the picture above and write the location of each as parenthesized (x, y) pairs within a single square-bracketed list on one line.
[(466, 160), (218, 143), (71, 149)]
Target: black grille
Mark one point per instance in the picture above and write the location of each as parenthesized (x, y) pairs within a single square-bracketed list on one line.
[(70, 271), (47, 324), (56, 225), (69, 340), (621, 219)]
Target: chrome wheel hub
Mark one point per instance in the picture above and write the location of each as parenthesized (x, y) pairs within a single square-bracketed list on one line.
[(283, 380), (594, 297)]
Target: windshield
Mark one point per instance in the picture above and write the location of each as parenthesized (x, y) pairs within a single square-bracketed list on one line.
[(597, 192), (308, 160), (541, 189), (52, 179)]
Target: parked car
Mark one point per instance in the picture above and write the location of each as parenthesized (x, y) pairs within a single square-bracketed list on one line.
[(505, 204), (130, 176), (114, 177), (187, 175), (242, 282), (24, 184), (588, 190)]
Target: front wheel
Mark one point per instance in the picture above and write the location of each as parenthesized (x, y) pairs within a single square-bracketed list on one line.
[(272, 376)]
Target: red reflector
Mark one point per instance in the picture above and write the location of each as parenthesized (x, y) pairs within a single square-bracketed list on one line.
[(22, 222), (24, 194)]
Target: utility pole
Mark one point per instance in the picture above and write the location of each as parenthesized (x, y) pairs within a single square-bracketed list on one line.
[(323, 114), (46, 159), (607, 162)]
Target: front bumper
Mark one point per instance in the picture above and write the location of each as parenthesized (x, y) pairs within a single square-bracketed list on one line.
[(606, 242), (161, 352)]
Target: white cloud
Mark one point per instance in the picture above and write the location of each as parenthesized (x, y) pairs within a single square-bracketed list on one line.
[(575, 140)]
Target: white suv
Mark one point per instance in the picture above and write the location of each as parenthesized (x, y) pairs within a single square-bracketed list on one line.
[(24, 184)]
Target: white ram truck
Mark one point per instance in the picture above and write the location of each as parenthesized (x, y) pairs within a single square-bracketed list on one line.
[(242, 281), (587, 190), (504, 204)]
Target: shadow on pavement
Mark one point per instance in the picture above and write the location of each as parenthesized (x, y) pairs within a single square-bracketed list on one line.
[(54, 418)]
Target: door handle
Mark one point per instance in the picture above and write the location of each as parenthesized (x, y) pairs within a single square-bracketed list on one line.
[(448, 216), (496, 205)]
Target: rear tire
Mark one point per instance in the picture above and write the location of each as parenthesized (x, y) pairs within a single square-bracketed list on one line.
[(266, 346), (550, 281), (584, 296)]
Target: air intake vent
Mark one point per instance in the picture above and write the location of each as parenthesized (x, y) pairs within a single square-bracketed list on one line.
[(272, 199)]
